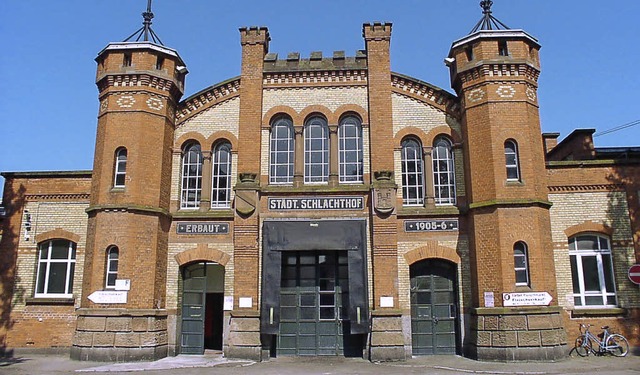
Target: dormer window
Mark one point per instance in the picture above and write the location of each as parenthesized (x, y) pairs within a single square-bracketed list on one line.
[(469, 53), (502, 48), (126, 61)]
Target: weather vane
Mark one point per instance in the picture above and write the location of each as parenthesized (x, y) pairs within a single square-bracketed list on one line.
[(488, 22), (486, 6), (146, 31)]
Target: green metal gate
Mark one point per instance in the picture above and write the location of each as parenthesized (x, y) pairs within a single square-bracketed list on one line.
[(193, 308), (314, 299), (433, 307)]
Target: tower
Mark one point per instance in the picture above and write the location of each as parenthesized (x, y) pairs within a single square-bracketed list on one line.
[(494, 71), (122, 314)]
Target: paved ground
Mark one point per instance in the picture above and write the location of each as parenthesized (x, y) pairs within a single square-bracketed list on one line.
[(215, 364)]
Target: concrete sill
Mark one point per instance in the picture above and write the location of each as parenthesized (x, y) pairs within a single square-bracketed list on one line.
[(49, 301), (611, 311)]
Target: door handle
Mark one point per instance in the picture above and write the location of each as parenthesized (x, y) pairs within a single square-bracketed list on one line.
[(435, 319)]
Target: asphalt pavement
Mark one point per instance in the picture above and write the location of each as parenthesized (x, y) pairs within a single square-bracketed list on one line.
[(34, 364)]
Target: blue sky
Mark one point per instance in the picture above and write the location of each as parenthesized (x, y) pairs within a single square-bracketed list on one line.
[(48, 98)]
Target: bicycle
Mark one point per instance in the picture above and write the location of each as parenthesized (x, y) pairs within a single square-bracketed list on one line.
[(613, 343)]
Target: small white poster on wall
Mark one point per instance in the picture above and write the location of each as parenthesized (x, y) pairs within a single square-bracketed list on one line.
[(246, 302), (386, 301), (228, 303), (489, 299)]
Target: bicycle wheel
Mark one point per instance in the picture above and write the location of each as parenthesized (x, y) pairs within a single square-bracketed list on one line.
[(617, 345), (583, 346)]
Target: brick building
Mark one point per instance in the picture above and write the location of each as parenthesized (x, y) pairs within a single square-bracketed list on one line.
[(323, 205)]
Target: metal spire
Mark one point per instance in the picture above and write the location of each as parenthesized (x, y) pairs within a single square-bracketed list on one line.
[(145, 31), (488, 22)]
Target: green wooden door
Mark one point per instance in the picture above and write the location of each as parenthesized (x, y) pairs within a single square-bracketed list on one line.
[(193, 309), (314, 298), (433, 307)]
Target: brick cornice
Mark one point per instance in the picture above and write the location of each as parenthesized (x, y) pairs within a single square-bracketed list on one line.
[(425, 92), (57, 197), (139, 80), (583, 188), (206, 99), (318, 78), (499, 70)]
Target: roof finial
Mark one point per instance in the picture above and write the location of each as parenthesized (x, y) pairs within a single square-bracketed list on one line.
[(486, 6), (146, 31), (488, 22)]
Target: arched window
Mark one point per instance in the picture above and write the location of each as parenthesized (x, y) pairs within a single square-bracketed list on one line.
[(511, 160), (281, 151), (56, 266), (316, 150), (191, 176), (521, 263), (444, 178), (112, 267), (592, 271), (120, 168), (412, 173), (350, 149), (221, 176)]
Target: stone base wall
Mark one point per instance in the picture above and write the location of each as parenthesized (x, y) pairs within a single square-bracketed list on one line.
[(244, 336), (387, 338), (515, 334), (120, 335)]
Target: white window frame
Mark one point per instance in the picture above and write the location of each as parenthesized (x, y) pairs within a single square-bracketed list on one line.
[(120, 168), (345, 140), (604, 294), (511, 151), (443, 178), (191, 176), (113, 258), (311, 153), (287, 153), (221, 180), (523, 267), (412, 165), (70, 262)]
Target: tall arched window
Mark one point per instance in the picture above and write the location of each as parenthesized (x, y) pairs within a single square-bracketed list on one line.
[(112, 267), (350, 149), (221, 176), (191, 176), (316, 150), (444, 178), (511, 160), (592, 271), (56, 266), (412, 173), (521, 263), (120, 168), (281, 151)]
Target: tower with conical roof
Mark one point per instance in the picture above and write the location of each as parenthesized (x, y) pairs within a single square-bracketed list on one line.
[(122, 315), (494, 71)]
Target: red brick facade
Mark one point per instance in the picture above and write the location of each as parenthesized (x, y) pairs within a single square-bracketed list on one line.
[(238, 226)]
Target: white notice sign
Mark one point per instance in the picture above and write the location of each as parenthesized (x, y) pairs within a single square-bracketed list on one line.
[(526, 299), (489, 300), (108, 296), (228, 303)]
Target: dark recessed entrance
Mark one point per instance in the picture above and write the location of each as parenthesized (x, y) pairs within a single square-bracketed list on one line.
[(202, 308), (433, 307), (314, 300), (314, 295)]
